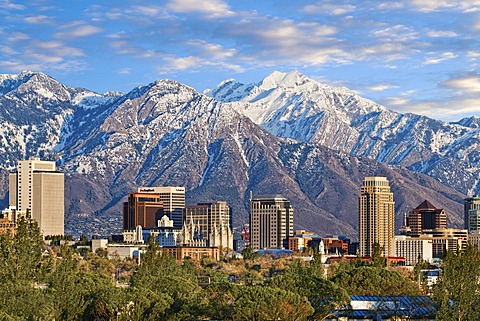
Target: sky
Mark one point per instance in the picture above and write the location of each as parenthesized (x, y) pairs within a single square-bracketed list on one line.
[(418, 56)]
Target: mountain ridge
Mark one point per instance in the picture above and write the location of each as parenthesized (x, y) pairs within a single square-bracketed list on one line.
[(304, 110), (166, 133)]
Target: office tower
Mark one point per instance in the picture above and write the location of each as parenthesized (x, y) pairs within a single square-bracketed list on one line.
[(173, 198), (271, 222), (471, 211), (208, 224), (376, 216), (38, 187), (142, 209), (426, 217)]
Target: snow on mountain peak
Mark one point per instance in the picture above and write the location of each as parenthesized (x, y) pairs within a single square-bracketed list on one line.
[(281, 79)]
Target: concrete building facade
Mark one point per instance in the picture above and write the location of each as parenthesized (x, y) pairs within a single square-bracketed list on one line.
[(376, 216), (36, 186), (271, 222), (173, 199)]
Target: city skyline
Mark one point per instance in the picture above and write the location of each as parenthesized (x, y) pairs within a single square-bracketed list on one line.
[(411, 56)]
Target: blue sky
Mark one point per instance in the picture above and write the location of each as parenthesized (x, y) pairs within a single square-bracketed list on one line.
[(419, 56)]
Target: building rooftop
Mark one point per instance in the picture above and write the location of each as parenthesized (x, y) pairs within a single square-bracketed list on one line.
[(269, 197), (415, 307), (426, 205)]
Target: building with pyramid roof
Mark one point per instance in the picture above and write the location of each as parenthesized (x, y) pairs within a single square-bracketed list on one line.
[(426, 217)]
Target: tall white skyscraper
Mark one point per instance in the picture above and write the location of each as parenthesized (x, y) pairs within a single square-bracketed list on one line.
[(173, 198), (38, 187)]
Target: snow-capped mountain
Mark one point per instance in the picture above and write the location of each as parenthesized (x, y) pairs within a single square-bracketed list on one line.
[(166, 133), (294, 106)]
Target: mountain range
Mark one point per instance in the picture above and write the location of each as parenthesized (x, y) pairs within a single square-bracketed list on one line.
[(287, 134)]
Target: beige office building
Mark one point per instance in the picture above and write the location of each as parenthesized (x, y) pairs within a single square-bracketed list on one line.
[(376, 216), (173, 199), (38, 187), (271, 222)]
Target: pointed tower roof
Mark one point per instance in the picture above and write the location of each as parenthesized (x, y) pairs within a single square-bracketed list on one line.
[(426, 205)]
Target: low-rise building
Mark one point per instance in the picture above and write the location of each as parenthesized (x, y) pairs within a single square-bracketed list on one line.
[(430, 246), (300, 241), (194, 252), (413, 249)]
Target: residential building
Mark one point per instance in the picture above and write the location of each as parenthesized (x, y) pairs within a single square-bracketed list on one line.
[(376, 216), (207, 225), (426, 217), (173, 198), (142, 209), (271, 222), (36, 186), (471, 211)]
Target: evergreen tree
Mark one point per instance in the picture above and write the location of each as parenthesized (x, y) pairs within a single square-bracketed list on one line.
[(458, 292)]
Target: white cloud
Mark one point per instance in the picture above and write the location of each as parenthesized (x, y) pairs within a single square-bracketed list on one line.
[(442, 5), (212, 50), (465, 84), (397, 33), (473, 54), (433, 5), (216, 8), (329, 8), (17, 37), (6, 4), (39, 20), (193, 63), (124, 71), (441, 34), (83, 30), (381, 87), (440, 58), (450, 109), (396, 101), (390, 5)]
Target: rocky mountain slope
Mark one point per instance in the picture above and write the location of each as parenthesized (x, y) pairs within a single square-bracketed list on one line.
[(166, 133), (295, 106)]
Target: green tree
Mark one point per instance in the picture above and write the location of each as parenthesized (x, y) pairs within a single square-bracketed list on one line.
[(377, 256), (82, 295), (161, 274), (458, 292), (221, 298), (259, 302), (21, 255), (324, 295), (371, 280), (22, 266)]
